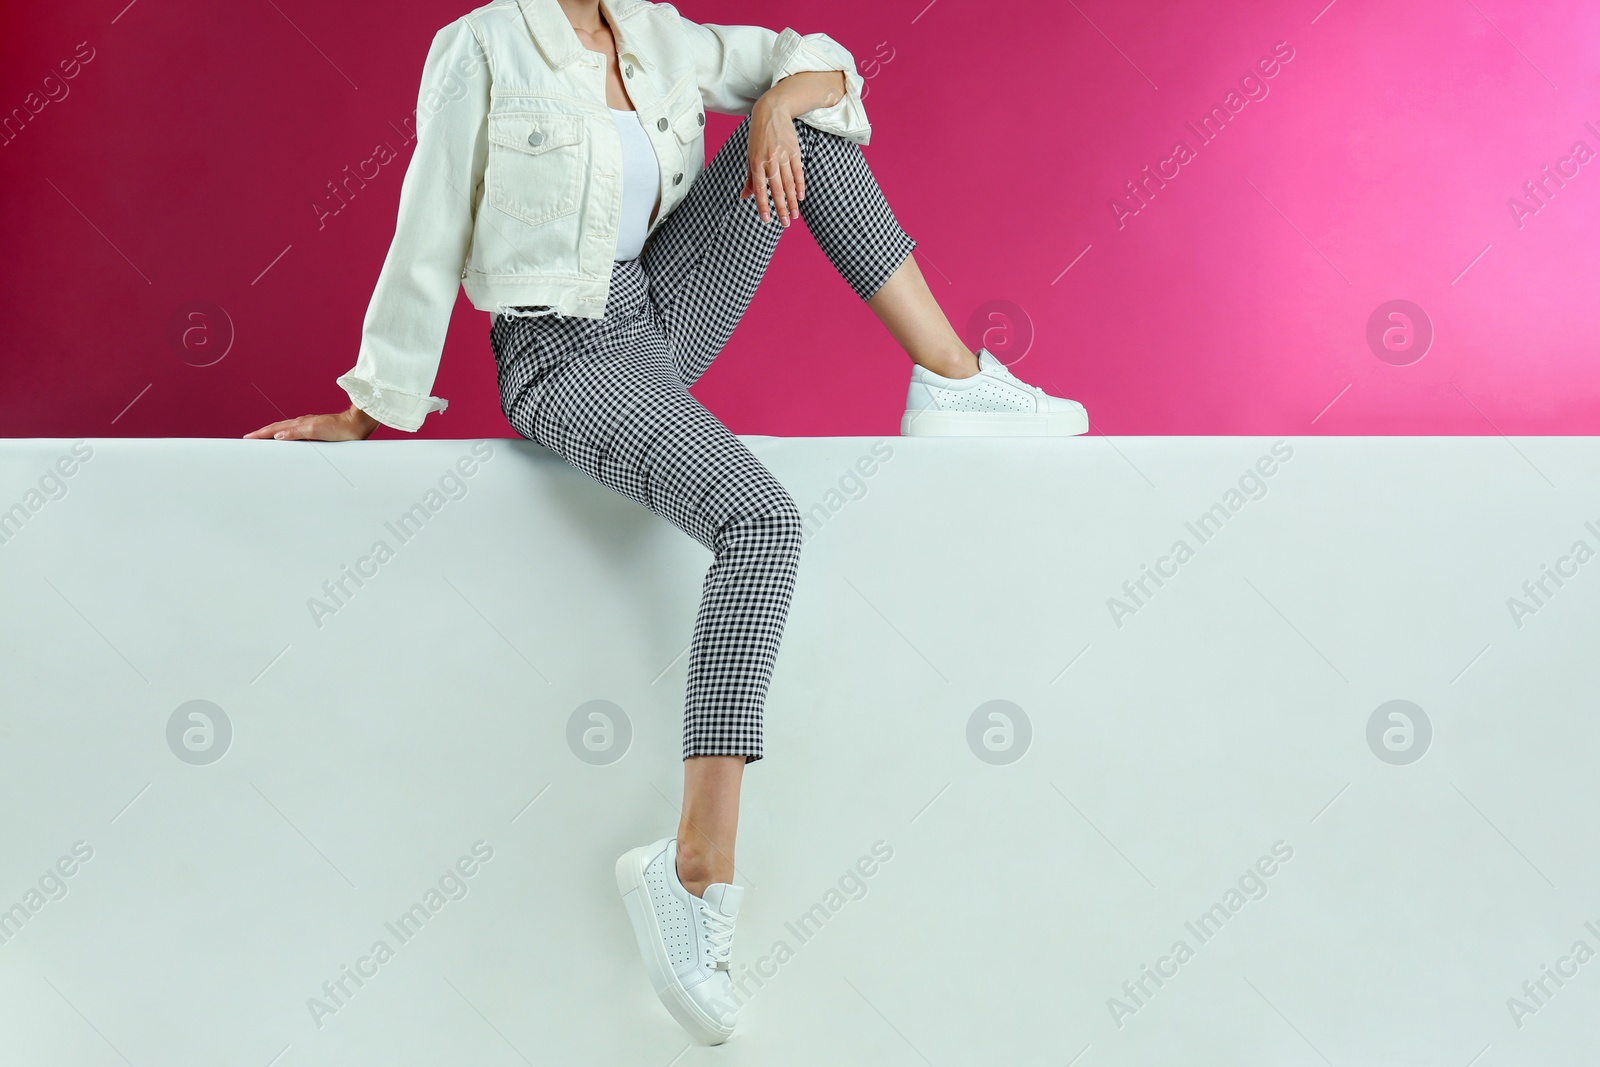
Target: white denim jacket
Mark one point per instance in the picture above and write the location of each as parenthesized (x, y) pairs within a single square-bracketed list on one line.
[(514, 189)]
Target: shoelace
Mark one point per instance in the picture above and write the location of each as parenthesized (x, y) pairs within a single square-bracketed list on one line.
[(1002, 371), (719, 937)]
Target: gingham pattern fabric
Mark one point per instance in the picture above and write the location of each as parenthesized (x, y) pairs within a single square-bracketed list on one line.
[(611, 396)]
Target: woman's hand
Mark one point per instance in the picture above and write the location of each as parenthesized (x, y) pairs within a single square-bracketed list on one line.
[(352, 425), (774, 148), (774, 153)]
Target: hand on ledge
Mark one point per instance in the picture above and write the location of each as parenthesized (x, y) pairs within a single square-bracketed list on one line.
[(352, 425)]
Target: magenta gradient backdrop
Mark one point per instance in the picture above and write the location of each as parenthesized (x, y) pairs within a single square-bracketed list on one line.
[(184, 161)]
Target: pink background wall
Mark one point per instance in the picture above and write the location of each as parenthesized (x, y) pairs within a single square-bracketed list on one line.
[(182, 163)]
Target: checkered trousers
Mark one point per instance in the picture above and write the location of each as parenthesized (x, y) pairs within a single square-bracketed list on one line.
[(611, 396)]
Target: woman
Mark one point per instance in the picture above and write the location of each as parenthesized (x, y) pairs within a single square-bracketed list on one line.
[(559, 176)]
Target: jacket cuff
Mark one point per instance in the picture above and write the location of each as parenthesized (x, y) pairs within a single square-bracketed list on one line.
[(793, 53), (390, 406)]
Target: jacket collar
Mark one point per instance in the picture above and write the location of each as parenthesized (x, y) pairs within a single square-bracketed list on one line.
[(559, 41)]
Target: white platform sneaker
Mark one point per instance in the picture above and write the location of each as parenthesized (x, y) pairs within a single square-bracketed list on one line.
[(686, 941), (992, 403)]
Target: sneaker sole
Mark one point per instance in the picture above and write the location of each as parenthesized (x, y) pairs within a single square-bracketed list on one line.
[(676, 999), (929, 422)]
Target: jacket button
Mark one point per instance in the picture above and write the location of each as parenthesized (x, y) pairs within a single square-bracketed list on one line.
[(536, 138), (661, 124), (701, 118), (677, 179), (628, 70)]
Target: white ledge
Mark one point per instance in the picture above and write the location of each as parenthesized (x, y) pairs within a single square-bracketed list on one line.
[(1177, 733)]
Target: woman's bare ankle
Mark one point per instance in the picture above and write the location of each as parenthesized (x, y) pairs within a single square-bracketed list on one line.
[(700, 865), (956, 362)]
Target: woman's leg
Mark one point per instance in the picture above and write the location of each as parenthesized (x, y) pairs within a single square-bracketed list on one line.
[(907, 308), (625, 419), (607, 396), (710, 820), (704, 265), (708, 257)]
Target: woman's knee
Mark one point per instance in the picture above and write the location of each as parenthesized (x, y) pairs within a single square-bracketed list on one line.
[(767, 515), (789, 523)]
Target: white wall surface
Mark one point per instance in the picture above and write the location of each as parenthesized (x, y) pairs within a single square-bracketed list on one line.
[(1145, 762)]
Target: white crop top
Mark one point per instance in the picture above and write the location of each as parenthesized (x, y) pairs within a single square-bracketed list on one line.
[(641, 183)]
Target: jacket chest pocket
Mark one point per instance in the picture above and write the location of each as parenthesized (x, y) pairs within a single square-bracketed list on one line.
[(535, 164), (689, 126)]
